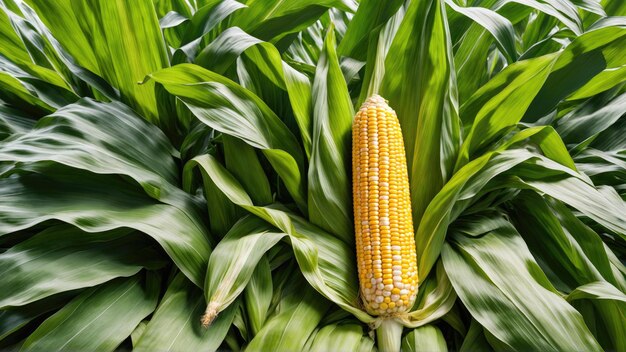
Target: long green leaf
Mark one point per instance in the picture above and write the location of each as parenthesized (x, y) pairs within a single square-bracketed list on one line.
[(582, 60), (301, 310), (229, 108), (175, 325), (63, 258), (258, 295), (99, 137), (425, 338), (79, 198), (501, 103), (436, 298), (233, 261), (419, 84), (370, 14), (329, 179), (81, 136), (327, 263), (100, 318), (598, 290), (103, 28), (502, 286), (499, 26), (271, 20), (463, 186), (586, 122), (221, 53), (341, 337)]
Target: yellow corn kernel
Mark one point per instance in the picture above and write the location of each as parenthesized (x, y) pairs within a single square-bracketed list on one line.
[(382, 211)]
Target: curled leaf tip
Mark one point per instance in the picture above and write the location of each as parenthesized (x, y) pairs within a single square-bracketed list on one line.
[(209, 314), (145, 79)]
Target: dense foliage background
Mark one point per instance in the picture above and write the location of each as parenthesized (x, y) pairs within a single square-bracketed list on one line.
[(161, 156)]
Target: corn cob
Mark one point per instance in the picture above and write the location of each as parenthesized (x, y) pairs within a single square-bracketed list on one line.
[(382, 211)]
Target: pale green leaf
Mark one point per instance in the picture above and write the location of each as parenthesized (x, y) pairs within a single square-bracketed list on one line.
[(424, 339)]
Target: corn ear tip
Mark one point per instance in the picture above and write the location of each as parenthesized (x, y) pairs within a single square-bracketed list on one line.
[(210, 314), (373, 100)]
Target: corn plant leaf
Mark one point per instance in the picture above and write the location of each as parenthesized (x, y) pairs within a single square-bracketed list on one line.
[(270, 20), (15, 93), (598, 290), (499, 26), (233, 261), (211, 97), (78, 72), (171, 19), (547, 140), (418, 83), (341, 337), (425, 338), (13, 320), (85, 322), (13, 121), (606, 211), (64, 258), (223, 214), (175, 325), (103, 28), (370, 14), (574, 258), (78, 198), (435, 299), (585, 123), (595, 249), (242, 161), (258, 295), (222, 52), (431, 233), (604, 167), (33, 40), (39, 82), (327, 263), (77, 143), (203, 21), (487, 111), (502, 286), (380, 41), (11, 46), (460, 191), (74, 138), (563, 11), (471, 72), (139, 330), (329, 196), (609, 307), (609, 78), (558, 239), (301, 309), (475, 339), (584, 58), (286, 90), (60, 19)]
